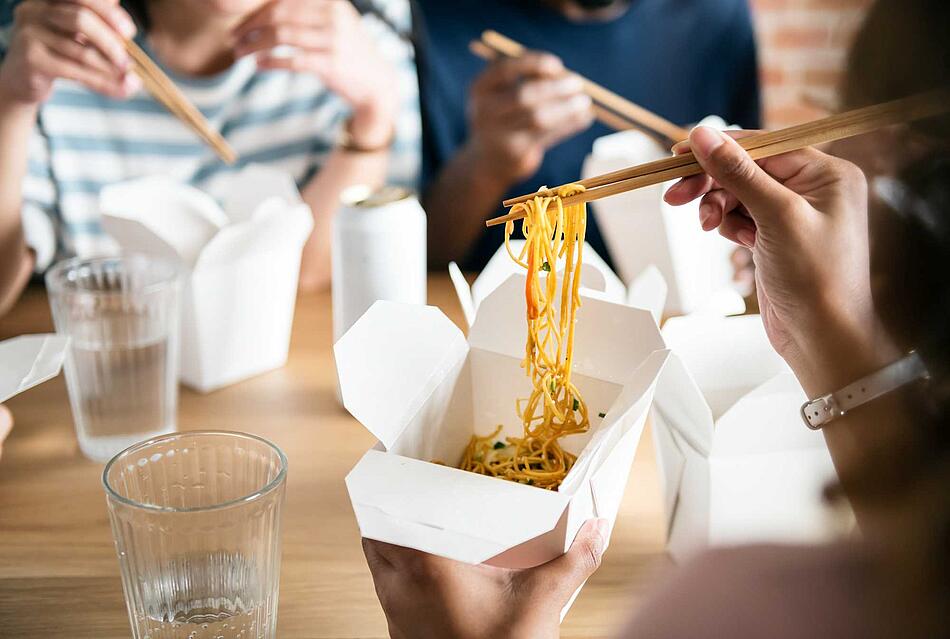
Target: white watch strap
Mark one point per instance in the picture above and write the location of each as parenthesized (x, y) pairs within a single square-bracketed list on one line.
[(822, 410)]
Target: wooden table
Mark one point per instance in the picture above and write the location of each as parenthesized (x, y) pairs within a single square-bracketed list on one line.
[(58, 571)]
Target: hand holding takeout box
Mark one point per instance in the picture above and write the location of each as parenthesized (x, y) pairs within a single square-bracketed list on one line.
[(425, 391)]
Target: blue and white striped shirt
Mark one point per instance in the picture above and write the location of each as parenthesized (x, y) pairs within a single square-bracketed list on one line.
[(84, 141)]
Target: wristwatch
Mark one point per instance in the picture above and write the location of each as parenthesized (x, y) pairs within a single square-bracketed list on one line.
[(818, 412), (347, 143)]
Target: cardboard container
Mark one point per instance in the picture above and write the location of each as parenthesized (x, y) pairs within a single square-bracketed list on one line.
[(647, 290), (29, 360), (737, 465), (641, 230), (241, 264), (412, 379)]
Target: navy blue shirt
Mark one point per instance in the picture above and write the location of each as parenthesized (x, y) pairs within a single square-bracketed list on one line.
[(683, 59)]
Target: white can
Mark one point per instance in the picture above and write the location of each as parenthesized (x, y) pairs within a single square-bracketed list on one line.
[(379, 252)]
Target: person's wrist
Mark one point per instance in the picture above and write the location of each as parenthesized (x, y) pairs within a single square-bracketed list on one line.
[(372, 123), (840, 351), (490, 164), (12, 103)]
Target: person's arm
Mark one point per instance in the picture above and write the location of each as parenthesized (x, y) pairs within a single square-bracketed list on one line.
[(804, 216), (327, 38), (16, 260), (518, 108), (45, 45)]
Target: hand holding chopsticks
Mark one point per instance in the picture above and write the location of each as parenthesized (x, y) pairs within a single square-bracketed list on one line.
[(835, 127), (610, 108)]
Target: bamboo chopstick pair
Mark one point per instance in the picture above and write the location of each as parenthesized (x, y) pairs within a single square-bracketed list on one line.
[(759, 146), (609, 108), (165, 91)]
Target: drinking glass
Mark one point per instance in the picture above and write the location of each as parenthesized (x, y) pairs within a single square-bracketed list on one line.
[(121, 315), (196, 522)]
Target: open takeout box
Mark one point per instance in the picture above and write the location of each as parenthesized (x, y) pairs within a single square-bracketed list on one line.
[(598, 280), (641, 230), (240, 262), (411, 378), (29, 360), (737, 465)]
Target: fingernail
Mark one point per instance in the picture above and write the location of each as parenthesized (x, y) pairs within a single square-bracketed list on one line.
[(580, 102), (746, 237), (571, 84), (126, 26), (131, 84), (705, 140), (705, 212)]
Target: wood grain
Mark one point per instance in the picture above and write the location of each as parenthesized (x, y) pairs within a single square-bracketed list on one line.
[(58, 571)]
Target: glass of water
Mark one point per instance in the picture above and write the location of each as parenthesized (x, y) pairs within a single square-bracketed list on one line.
[(196, 521), (121, 315)]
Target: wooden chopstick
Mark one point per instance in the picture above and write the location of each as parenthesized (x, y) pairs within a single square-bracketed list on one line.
[(165, 91), (604, 98), (763, 145), (609, 118)]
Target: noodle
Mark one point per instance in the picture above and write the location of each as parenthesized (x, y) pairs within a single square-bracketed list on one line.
[(555, 408)]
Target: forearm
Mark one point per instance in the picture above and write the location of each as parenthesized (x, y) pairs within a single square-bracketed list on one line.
[(322, 194), (16, 260), (457, 203)]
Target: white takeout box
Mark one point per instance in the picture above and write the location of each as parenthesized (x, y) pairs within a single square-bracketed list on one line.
[(647, 290), (737, 465), (241, 264), (641, 230), (411, 378), (29, 360)]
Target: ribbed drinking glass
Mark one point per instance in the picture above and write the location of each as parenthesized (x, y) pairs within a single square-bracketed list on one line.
[(196, 520), (121, 315)]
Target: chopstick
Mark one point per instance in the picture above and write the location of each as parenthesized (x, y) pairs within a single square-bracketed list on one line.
[(612, 106), (763, 145), (165, 91), (607, 117)]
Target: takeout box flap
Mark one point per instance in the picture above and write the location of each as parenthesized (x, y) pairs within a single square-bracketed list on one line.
[(608, 337), (597, 278), (463, 291), (250, 187), (648, 291), (173, 215), (453, 506), (29, 360), (391, 360), (766, 420), (680, 401)]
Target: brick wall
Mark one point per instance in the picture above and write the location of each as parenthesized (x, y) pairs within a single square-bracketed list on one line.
[(802, 49)]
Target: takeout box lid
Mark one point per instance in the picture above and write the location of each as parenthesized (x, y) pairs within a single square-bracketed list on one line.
[(29, 360), (157, 215)]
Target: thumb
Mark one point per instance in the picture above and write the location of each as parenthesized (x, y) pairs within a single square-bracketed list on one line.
[(730, 165), (566, 573)]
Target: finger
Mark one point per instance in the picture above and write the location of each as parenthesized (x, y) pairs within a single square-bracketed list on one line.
[(531, 93), (688, 189), (729, 164), (114, 86), (270, 36), (80, 54), (575, 122), (84, 25), (311, 14), (505, 71), (110, 11), (568, 572), (738, 228), (549, 116), (714, 206)]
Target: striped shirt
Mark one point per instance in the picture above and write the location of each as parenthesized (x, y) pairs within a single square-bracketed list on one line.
[(84, 141)]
